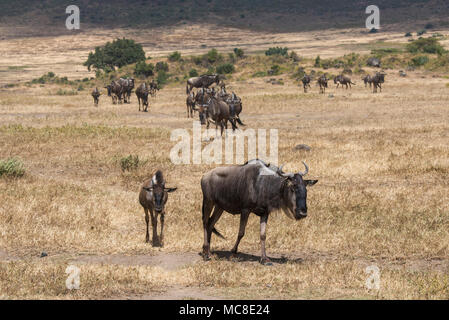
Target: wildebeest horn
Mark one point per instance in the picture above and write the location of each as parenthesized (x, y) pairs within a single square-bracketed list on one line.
[(305, 172)]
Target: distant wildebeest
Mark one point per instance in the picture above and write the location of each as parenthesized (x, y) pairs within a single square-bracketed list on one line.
[(254, 187), (367, 80), (142, 92), (153, 197), (190, 101), (212, 109), (343, 80), (153, 88), (234, 102), (203, 81), (322, 82), (306, 82), (127, 85), (96, 95), (115, 91), (377, 81)]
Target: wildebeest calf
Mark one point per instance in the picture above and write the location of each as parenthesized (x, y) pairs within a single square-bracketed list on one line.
[(96, 95), (153, 197), (253, 187)]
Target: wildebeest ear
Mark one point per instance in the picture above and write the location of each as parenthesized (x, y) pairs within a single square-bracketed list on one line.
[(170, 189), (310, 182)]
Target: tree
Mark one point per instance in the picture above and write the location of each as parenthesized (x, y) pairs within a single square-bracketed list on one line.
[(117, 53)]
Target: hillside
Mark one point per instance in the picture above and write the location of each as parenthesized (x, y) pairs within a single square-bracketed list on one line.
[(22, 18)]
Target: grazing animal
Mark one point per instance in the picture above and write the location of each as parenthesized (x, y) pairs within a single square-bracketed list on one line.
[(203, 81), (343, 80), (115, 91), (127, 85), (212, 109), (142, 92), (306, 82), (367, 80), (377, 81), (96, 95), (235, 107), (254, 187), (322, 82), (153, 197), (153, 88), (191, 105)]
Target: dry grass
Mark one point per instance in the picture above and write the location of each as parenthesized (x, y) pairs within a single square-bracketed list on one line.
[(382, 197)]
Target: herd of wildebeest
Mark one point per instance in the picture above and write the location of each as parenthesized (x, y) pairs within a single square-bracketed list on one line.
[(254, 187)]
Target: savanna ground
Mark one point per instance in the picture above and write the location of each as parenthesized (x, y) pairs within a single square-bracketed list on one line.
[(381, 161)]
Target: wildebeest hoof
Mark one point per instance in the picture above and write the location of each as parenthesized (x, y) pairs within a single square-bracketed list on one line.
[(266, 262)]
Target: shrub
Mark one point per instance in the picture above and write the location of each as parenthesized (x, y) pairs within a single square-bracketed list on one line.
[(162, 78), (225, 68), (130, 163), (260, 74), (213, 56), (374, 30), (11, 167), (238, 52), (408, 34), (144, 69), (275, 69), (419, 61), (426, 45), (317, 62), (117, 53), (175, 56), (193, 73), (428, 26), (277, 51), (294, 56), (162, 66), (421, 32)]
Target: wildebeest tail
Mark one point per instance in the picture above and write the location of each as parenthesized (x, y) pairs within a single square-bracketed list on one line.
[(187, 89), (218, 233), (239, 121)]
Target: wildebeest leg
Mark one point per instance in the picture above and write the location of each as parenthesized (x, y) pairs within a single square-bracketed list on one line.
[(147, 220), (154, 224), (138, 99), (206, 209), (243, 220), (263, 226), (212, 221), (162, 229)]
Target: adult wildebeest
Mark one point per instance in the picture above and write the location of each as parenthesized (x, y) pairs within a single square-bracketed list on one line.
[(253, 187), (190, 102), (153, 197), (115, 91), (142, 92), (377, 81), (343, 80), (127, 85), (367, 80), (96, 95), (203, 81), (322, 82), (212, 109), (306, 82), (234, 102)]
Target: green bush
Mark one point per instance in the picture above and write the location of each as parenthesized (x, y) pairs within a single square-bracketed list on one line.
[(144, 69), (162, 66), (408, 34), (131, 163), (317, 62), (238, 52), (225, 68), (426, 45), (12, 167), (421, 32), (162, 78), (193, 73), (275, 69), (277, 51), (175, 56), (213, 56), (117, 53), (419, 61)]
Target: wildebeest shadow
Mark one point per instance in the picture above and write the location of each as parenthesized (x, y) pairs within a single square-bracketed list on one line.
[(247, 257)]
